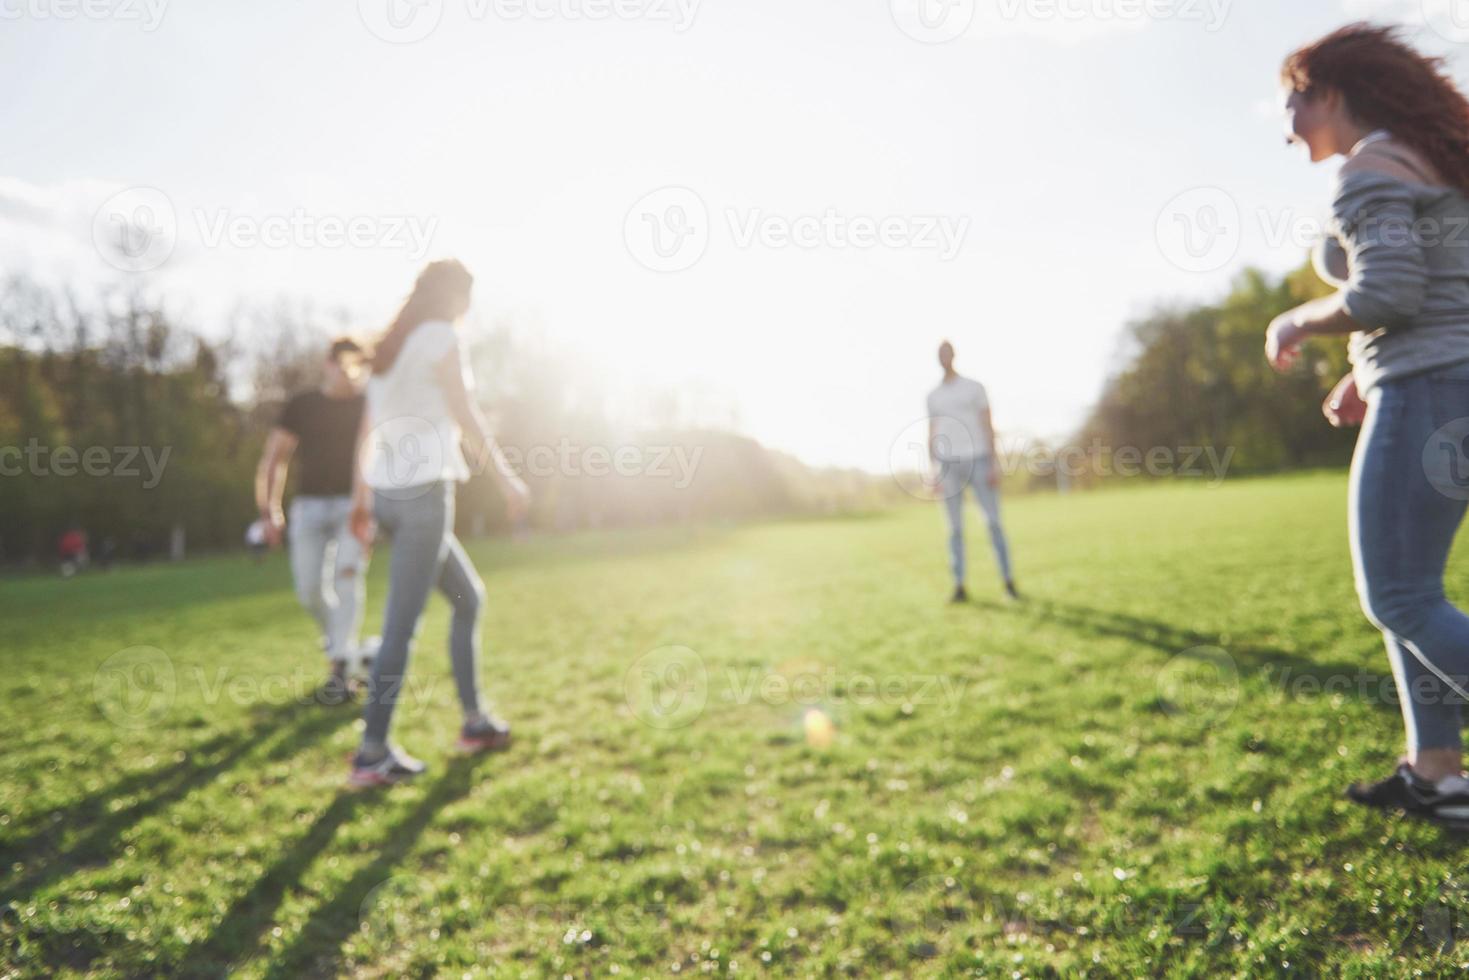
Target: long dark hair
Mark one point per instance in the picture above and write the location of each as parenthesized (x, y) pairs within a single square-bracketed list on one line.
[(1389, 85), (441, 293)]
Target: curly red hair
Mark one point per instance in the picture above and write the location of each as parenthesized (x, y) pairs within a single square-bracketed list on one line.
[(1390, 85)]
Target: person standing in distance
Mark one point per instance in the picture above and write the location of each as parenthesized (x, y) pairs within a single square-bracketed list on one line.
[(961, 449), (320, 428)]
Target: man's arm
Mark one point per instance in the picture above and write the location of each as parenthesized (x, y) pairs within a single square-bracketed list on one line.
[(360, 519), (270, 481)]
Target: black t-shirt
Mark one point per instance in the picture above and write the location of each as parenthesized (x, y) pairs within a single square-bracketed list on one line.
[(327, 430)]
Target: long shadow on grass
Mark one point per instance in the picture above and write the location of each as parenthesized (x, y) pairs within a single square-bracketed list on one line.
[(55, 851), (237, 938), (1281, 666)]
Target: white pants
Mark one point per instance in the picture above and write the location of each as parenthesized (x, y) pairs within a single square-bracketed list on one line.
[(318, 525)]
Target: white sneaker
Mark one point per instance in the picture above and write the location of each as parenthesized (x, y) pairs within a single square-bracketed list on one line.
[(362, 660)]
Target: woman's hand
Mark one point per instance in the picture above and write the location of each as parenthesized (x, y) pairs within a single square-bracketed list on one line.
[(517, 500), (1283, 340), (1344, 407), (361, 522)]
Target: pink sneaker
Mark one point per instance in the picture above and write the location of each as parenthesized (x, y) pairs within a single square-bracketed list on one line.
[(484, 736), (395, 767)]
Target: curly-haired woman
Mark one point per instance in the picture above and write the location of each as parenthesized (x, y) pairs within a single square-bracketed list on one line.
[(1398, 251)]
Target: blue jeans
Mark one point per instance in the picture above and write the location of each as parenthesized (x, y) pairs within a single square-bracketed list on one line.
[(318, 525), (425, 553), (955, 476), (1409, 484)]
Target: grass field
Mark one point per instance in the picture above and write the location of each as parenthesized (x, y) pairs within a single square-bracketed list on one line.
[(1136, 771)]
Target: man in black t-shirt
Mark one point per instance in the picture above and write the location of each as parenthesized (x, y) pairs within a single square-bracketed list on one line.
[(320, 429)]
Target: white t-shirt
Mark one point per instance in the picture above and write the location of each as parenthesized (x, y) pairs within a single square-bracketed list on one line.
[(955, 408), (412, 438)]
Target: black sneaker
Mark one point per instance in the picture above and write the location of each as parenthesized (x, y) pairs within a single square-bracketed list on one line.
[(1012, 592), (959, 595), (1417, 797), (394, 767), (484, 736), (336, 689)]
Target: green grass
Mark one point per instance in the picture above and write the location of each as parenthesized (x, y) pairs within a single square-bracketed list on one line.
[(1067, 786)]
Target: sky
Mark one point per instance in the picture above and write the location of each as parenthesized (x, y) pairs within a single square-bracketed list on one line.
[(777, 208)]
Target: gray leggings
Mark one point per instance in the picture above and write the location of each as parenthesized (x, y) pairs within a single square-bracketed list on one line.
[(420, 521)]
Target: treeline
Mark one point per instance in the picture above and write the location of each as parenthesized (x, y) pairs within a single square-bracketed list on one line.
[(119, 419), (1197, 377)]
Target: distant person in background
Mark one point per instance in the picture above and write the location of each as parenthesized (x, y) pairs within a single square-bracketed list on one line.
[(71, 549), (1402, 273), (319, 428), (419, 407), (961, 449)]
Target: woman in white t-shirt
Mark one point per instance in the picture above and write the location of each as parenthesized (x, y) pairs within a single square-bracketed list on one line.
[(419, 407)]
